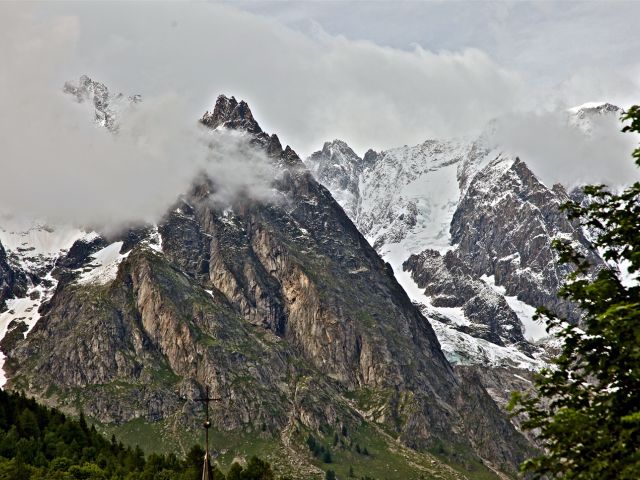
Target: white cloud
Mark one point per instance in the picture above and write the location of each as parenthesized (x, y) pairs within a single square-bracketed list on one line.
[(306, 87), (558, 151), (544, 42), (56, 164)]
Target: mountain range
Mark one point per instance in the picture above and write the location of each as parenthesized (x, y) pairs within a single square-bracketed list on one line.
[(382, 300)]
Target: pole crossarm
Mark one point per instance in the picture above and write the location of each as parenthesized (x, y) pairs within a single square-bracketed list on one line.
[(206, 400)]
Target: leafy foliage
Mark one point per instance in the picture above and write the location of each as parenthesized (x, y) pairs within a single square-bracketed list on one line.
[(37, 442), (586, 409)]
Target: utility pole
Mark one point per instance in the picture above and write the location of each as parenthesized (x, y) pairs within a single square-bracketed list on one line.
[(207, 425)]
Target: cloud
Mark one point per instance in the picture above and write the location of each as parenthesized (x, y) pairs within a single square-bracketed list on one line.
[(57, 164), (560, 151), (305, 86)]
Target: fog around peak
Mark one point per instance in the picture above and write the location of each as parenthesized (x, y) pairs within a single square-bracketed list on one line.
[(307, 85), (58, 165)]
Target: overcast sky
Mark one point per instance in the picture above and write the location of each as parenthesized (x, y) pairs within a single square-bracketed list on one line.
[(375, 74)]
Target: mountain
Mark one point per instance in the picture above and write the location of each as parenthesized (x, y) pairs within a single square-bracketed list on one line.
[(282, 307), (587, 115), (468, 229), (107, 106)]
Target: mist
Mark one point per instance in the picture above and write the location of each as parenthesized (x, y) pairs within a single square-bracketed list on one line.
[(310, 86), (59, 166), (306, 86), (558, 151)]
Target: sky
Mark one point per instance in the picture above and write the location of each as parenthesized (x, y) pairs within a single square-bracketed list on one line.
[(375, 74), (381, 74)]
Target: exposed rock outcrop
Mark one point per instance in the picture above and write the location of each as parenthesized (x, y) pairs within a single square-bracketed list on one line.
[(504, 227), (450, 283), (338, 168), (13, 282), (106, 105)]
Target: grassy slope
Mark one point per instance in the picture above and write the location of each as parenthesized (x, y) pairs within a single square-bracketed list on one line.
[(387, 459)]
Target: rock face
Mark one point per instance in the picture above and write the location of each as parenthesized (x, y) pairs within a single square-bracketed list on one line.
[(282, 308), (13, 282), (517, 250), (451, 284), (338, 168), (228, 113)]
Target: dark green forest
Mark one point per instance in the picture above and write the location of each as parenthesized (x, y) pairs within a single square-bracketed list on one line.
[(42, 443)]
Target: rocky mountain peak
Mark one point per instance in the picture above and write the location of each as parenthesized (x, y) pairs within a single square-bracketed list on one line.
[(230, 113), (105, 103), (338, 146), (339, 168), (370, 157), (601, 108), (337, 152)]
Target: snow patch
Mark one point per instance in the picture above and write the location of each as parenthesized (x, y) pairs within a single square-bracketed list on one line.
[(586, 105), (533, 330), (409, 196), (627, 278), (155, 240), (33, 246), (37, 238), (104, 266)]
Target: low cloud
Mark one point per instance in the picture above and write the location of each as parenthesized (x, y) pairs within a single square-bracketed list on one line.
[(309, 86), (57, 164), (305, 86), (559, 151)]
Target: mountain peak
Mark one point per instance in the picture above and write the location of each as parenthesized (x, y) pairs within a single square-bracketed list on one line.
[(338, 148), (595, 107), (106, 104), (230, 113), (337, 143), (591, 114)]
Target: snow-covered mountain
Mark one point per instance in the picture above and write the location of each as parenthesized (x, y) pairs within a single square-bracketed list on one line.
[(467, 228), (586, 115), (30, 251)]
